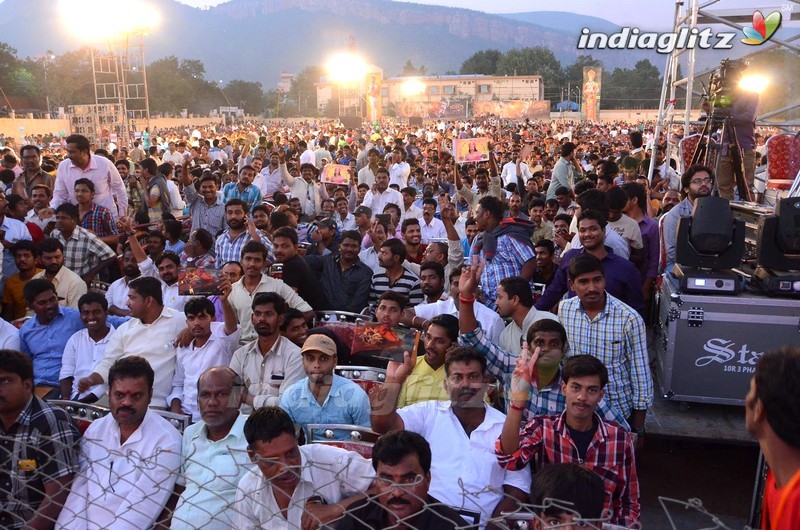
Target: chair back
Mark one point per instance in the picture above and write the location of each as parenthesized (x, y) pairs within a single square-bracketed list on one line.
[(82, 413), (783, 160), (686, 149), (358, 439)]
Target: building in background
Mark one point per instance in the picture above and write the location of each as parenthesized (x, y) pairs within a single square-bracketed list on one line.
[(449, 96)]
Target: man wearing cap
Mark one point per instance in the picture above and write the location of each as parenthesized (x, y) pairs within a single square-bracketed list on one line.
[(322, 396), (324, 238), (363, 218)]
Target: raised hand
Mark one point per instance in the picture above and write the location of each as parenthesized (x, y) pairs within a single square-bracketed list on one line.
[(445, 206), (224, 285), (470, 278), (398, 372), (525, 371)]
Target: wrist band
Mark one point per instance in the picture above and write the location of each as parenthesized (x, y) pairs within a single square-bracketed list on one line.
[(516, 407), (466, 300)]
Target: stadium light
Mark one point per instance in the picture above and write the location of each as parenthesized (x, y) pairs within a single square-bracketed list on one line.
[(346, 67), (109, 20), (754, 83), (412, 87)]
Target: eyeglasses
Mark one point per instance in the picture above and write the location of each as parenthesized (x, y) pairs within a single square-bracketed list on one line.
[(707, 180)]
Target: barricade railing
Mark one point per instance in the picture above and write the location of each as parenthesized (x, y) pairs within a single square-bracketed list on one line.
[(136, 485)]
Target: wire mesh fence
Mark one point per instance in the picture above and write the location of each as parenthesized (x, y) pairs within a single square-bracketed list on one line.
[(144, 483)]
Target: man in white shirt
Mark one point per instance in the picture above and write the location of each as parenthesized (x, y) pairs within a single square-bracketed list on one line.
[(366, 175), (69, 286), (432, 228), (129, 459), (12, 231), (344, 219), (509, 172), (306, 189), (85, 349), (307, 156), (462, 434), (515, 302), (380, 194), (117, 293), (620, 223), (280, 494), (9, 336), (269, 178), (214, 455), (667, 173), (150, 334), (418, 315), (165, 269), (253, 282), (399, 170), (409, 208), (213, 344), (108, 185), (271, 363), (172, 156)]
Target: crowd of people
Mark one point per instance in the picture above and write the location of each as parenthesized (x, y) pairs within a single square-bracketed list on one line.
[(530, 279)]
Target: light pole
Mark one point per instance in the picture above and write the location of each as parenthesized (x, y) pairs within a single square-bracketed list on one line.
[(49, 56)]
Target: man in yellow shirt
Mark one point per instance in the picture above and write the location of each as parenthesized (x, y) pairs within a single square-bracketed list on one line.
[(15, 305), (426, 380)]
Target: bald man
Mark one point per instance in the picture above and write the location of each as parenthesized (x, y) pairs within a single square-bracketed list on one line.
[(214, 447)]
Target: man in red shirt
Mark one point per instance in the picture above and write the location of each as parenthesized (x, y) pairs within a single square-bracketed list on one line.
[(772, 415)]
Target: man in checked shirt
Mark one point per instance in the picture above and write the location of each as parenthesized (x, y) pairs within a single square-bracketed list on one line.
[(578, 435)]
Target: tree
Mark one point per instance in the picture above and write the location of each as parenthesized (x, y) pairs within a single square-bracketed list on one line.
[(8, 62), (246, 95), (409, 70), (169, 88), (532, 61), (20, 82), (573, 74), (303, 93), (636, 88), (483, 62), (69, 79)]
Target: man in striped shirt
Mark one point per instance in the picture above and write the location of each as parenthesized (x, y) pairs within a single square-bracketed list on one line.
[(396, 277)]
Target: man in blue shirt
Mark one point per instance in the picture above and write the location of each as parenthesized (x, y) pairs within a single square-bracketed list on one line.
[(623, 280), (43, 337), (322, 396), (244, 189)]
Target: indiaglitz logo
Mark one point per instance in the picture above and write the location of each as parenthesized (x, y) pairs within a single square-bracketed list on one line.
[(634, 38), (763, 28), (723, 352), (686, 39)]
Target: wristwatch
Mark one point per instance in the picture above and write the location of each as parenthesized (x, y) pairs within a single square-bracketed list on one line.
[(639, 432)]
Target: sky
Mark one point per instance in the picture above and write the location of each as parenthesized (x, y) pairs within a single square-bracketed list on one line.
[(621, 12)]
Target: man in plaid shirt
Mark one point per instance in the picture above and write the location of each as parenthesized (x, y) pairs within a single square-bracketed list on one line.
[(547, 334), (38, 446), (83, 251), (599, 324), (241, 230), (578, 435), (506, 252), (93, 217)]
